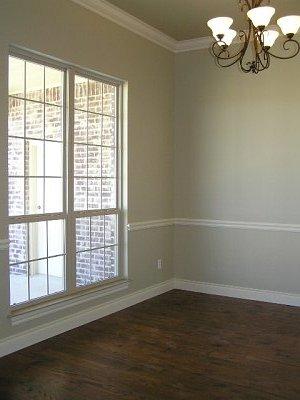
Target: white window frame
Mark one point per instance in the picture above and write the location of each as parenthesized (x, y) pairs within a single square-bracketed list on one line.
[(68, 214)]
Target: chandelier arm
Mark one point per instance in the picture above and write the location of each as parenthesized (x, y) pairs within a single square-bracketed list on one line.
[(224, 51), (253, 39), (287, 48), (262, 58)]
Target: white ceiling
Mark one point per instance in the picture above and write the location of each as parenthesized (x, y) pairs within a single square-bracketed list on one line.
[(186, 19)]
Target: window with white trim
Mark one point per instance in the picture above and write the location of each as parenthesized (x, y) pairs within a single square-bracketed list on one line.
[(64, 197)]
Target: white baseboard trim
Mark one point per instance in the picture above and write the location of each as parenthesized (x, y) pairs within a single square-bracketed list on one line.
[(239, 292), (30, 337)]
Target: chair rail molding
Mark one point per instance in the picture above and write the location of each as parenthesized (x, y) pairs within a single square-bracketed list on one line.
[(214, 223), (139, 226)]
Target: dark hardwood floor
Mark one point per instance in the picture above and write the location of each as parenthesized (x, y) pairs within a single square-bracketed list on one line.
[(179, 345)]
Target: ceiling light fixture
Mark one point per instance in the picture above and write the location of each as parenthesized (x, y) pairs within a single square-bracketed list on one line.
[(258, 37)]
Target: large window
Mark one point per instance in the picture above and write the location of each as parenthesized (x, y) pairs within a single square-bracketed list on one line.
[(63, 179)]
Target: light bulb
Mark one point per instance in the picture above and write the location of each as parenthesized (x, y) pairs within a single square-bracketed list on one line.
[(228, 37), (269, 38), (261, 16), (220, 25), (290, 24)]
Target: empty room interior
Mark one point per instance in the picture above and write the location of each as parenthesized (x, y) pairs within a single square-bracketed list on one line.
[(150, 199)]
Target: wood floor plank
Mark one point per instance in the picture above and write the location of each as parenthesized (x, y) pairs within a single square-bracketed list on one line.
[(179, 345)]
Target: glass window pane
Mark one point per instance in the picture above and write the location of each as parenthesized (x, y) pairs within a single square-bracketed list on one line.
[(18, 283), (34, 120), (15, 157), (95, 96), (94, 163), (109, 99), (94, 193), (16, 77), (53, 195), (80, 160), (110, 230), (34, 81), (80, 194), (16, 196), (34, 161), (94, 128), (97, 231), (97, 265), (53, 85), (82, 234), (108, 193), (53, 159), (83, 269), (80, 126), (109, 131), (17, 243), (34, 189), (16, 117), (53, 123), (109, 162), (37, 240), (81, 91), (56, 274), (56, 237), (38, 279), (111, 262)]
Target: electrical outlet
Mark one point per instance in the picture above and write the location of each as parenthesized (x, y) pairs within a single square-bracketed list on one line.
[(159, 264)]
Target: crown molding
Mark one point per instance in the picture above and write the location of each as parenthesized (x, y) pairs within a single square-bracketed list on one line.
[(128, 21), (193, 44), (133, 24)]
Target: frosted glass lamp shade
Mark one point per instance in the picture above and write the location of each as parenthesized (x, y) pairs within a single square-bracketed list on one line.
[(220, 25), (269, 38), (261, 16), (289, 24), (229, 35)]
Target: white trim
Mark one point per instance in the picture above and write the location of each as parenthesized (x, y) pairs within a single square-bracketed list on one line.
[(4, 244), (239, 292), (133, 24), (128, 21), (214, 223), (138, 226), (30, 337), (193, 44), (42, 310)]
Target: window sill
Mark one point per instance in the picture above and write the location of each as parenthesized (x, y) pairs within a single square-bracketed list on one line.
[(30, 312)]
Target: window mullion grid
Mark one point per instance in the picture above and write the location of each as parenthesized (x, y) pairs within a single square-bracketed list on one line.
[(118, 173), (28, 262), (69, 184), (24, 138), (44, 178)]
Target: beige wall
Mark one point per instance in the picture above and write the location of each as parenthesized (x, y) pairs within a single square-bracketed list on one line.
[(62, 29), (237, 157), (236, 153)]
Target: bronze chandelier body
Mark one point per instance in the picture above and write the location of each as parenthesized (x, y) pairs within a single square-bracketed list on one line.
[(254, 37)]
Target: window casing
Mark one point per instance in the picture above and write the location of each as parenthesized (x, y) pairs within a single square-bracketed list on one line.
[(65, 188)]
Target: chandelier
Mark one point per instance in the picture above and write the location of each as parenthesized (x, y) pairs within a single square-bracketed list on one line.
[(258, 38)]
